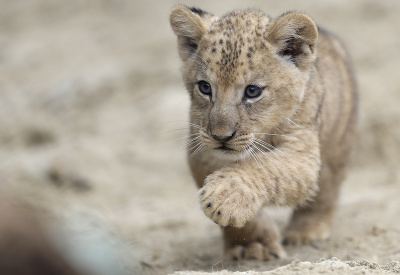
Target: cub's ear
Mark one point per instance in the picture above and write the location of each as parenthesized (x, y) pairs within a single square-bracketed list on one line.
[(295, 36), (189, 25)]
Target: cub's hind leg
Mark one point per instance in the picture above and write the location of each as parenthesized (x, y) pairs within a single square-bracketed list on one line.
[(259, 239), (313, 222)]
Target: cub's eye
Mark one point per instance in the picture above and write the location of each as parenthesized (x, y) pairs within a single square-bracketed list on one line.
[(252, 91), (204, 87)]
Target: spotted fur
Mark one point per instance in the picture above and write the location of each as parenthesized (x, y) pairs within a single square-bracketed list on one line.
[(289, 145)]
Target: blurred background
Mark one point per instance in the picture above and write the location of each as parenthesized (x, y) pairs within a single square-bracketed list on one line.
[(92, 115)]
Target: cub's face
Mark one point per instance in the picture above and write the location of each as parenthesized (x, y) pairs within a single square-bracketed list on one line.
[(245, 74)]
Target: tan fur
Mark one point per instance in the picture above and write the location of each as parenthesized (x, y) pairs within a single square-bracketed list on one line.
[(287, 147)]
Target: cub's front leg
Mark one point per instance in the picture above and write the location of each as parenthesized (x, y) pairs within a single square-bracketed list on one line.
[(227, 200), (234, 194)]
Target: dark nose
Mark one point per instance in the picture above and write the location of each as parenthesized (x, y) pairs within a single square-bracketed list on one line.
[(224, 138)]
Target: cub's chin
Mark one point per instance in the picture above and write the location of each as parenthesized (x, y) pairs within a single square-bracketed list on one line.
[(224, 153)]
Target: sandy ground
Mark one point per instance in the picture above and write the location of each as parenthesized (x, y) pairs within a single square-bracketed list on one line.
[(91, 102)]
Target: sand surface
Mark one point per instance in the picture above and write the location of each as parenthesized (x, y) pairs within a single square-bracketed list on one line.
[(92, 115)]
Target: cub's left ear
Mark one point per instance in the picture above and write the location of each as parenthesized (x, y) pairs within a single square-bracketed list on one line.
[(294, 35)]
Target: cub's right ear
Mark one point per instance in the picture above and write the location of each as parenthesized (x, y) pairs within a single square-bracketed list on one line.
[(295, 36), (189, 25)]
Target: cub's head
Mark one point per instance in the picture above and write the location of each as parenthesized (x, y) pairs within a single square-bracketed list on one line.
[(246, 74)]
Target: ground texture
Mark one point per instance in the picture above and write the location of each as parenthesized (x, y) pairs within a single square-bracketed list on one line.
[(92, 109)]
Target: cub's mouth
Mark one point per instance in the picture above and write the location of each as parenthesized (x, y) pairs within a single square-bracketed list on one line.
[(224, 148), (230, 152)]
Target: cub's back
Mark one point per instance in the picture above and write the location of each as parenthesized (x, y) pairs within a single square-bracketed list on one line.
[(338, 105)]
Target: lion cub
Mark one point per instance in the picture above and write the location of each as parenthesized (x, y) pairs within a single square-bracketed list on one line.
[(273, 112)]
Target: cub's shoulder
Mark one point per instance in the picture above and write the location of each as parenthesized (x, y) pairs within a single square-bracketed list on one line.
[(330, 44)]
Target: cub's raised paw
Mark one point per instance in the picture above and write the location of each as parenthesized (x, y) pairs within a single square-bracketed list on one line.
[(258, 240), (227, 200)]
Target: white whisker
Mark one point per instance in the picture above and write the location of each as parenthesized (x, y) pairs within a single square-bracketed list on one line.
[(267, 134), (289, 137), (192, 141), (197, 143), (201, 145), (293, 122), (256, 157), (264, 153), (262, 145), (254, 154), (271, 146), (250, 152), (186, 136), (283, 135), (195, 125)]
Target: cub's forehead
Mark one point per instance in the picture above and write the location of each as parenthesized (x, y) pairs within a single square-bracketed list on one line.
[(236, 26), (231, 42), (245, 20)]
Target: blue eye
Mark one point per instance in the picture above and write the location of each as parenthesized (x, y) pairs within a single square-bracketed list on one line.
[(204, 87), (252, 91)]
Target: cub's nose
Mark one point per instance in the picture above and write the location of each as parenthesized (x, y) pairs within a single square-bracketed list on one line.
[(223, 138)]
